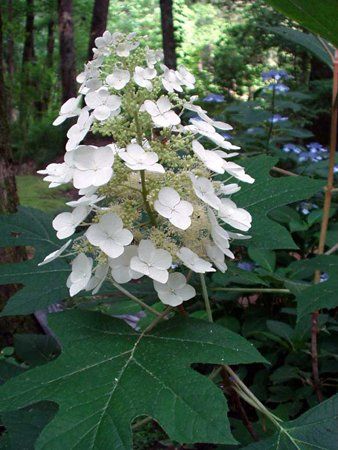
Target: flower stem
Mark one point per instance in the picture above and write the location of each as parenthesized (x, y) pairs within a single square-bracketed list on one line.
[(135, 299), (242, 390), (206, 298), (145, 200), (244, 289)]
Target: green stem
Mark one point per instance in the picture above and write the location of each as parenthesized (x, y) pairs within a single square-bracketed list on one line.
[(145, 200), (143, 177), (135, 299), (206, 297), (239, 386), (267, 290)]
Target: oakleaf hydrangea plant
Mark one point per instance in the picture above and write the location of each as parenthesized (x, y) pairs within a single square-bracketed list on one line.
[(149, 202)]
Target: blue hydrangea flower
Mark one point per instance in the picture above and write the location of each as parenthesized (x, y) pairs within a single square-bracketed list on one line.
[(275, 75), (277, 118), (291, 148), (246, 265), (315, 147), (214, 98), (324, 277), (280, 88), (335, 169), (306, 207)]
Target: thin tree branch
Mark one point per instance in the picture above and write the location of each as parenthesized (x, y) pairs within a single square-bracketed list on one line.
[(324, 226)]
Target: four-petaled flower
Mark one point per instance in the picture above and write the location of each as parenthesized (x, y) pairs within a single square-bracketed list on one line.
[(204, 190), (120, 267), (217, 257), (58, 174), (170, 80), (65, 223), (118, 79), (219, 235), (109, 235), (175, 291), (186, 78), (143, 76), (97, 280), (136, 158), (236, 217), (170, 205), (103, 104), (210, 158), (193, 261), (161, 112), (93, 165), (237, 171), (80, 275), (151, 261), (78, 132), (70, 108)]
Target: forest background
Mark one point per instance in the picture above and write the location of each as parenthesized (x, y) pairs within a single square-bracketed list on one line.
[(282, 120)]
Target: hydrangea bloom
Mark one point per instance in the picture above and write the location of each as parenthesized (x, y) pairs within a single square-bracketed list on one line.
[(109, 235), (150, 198), (175, 291)]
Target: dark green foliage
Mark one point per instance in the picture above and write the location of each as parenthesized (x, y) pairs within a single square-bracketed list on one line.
[(318, 17), (268, 193), (316, 429), (118, 361)]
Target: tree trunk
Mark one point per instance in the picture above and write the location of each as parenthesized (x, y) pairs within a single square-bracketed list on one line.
[(28, 49), (50, 44), (26, 83), (168, 37), (8, 204), (67, 50), (8, 194), (10, 42), (43, 103), (99, 23)]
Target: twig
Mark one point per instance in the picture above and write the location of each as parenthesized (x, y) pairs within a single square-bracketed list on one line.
[(135, 299), (324, 225), (284, 172), (238, 384), (206, 298), (141, 422), (157, 320), (245, 418), (332, 249), (244, 289)]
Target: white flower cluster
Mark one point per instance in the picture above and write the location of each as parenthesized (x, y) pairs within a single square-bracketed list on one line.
[(149, 201)]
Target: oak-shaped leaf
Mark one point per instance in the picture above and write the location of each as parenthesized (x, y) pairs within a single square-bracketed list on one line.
[(108, 374), (22, 427), (44, 285), (317, 429), (268, 193)]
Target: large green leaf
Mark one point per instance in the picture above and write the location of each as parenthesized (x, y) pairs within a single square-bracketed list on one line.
[(318, 16), (268, 193), (321, 295), (96, 381), (24, 426), (43, 285), (307, 40), (317, 429)]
